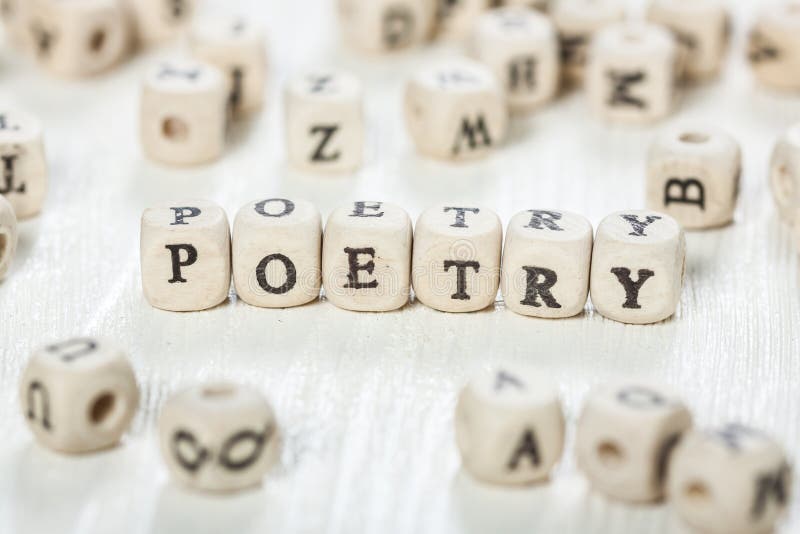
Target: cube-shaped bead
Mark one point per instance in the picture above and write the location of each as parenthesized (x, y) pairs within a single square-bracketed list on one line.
[(325, 122), (237, 47), (277, 253), (546, 263), (784, 173), (701, 29), (577, 21), (24, 167), (509, 426), (185, 255), (456, 111), (730, 480), (183, 113), (78, 37), (626, 434), (14, 15), (79, 395), (456, 260), (638, 265), (366, 257), (631, 73), (455, 19), (156, 21), (774, 48), (8, 236), (693, 175), (539, 5), (380, 26), (521, 47), (218, 437)]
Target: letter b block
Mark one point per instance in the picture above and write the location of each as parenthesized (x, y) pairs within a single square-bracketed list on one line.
[(637, 267), (185, 255)]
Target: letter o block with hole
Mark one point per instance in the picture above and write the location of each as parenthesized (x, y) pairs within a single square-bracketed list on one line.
[(79, 395), (366, 257), (277, 253), (625, 437), (456, 111), (509, 426), (774, 48), (156, 21), (631, 73), (218, 437), (730, 480), (325, 122), (784, 173), (546, 263), (8, 236), (693, 175), (382, 26), (638, 264), (24, 167), (184, 113), (456, 261), (78, 37), (186, 255)]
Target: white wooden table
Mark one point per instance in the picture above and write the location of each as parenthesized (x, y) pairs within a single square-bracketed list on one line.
[(366, 401)]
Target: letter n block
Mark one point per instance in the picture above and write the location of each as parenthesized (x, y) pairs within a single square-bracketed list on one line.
[(186, 255), (637, 267)]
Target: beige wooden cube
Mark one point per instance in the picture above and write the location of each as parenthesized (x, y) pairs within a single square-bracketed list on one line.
[(456, 18), (14, 15), (325, 122), (218, 437), (79, 395), (701, 28), (456, 260), (546, 263), (277, 253), (774, 48), (509, 426), (381, 26), (730, 480), (24, 167), (78, 37), (185, 255), (156, 21), (577, 21), (366, 257), (237, 47), (631, 73), (638, 265), (539, 5), (693, 174), (521, 47), (625, 437), (784, 173), (8, 236), (183, 113), (456, 111)]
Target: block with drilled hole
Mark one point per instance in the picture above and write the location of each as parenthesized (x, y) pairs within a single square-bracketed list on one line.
[(455, 19), (626, 433), (183, 113), (155, 21), (22, 157), (78, 395), (509, 426), (381, 26), (8, 236), (693, 175), (730, 480), (218, 437), (784, 173), (638, 265), (774, 47)]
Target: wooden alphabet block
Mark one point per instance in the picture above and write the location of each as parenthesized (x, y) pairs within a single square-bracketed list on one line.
[(381, 26), (24, 167), (8, 236), (638, 265), (539, 5), (784, 173), (774, 48), (14, 15), (156, 21), (456, 18), (185, 255)]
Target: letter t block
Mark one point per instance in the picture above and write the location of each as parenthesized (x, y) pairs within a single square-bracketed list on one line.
[(185, 255)]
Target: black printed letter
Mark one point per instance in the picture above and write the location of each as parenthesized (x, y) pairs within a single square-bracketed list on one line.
[(461, 276), (539, 282), (191, 257), (355, 267), (632, 288), (291, 274)]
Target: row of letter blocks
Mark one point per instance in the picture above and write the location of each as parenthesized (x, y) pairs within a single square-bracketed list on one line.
[(366, 261)]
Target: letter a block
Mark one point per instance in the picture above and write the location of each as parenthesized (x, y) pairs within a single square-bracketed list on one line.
[(366, 257), (277, 247), (456, 261), (186, 255), (637, 267), (546, 263)]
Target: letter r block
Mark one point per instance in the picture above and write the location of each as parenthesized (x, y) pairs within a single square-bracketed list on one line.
[(185, 255), (637, 267)]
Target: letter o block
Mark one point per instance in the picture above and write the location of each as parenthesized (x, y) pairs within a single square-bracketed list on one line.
[(456, 259), (693, 175), (509, 426), (546, 263), (218, 437), (631, 73), (277, 246), (380, 26), (8, 236), (637, 267), (774, 49), (784, 173), (185, 255), (366, 257), (24, 167)]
